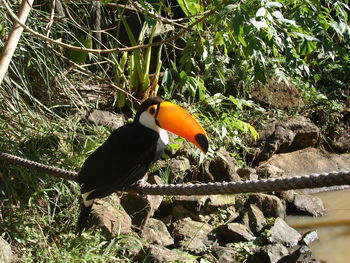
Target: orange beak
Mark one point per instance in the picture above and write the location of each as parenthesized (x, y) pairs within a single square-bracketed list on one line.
[(176, 120)]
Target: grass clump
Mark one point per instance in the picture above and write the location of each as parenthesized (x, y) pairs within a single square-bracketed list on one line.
[(38, 213)]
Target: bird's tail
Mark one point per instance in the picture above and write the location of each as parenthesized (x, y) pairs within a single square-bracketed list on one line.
[(82, 219)]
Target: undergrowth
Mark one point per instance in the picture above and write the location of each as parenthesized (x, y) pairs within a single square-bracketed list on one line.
[(38, 213)]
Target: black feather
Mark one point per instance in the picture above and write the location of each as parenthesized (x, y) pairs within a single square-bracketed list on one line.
[(82, 219)]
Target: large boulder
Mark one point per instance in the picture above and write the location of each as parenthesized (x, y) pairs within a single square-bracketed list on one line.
[(285, 136), (309, 161)]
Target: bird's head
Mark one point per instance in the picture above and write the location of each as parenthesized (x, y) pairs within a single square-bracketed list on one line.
[(157, 114)]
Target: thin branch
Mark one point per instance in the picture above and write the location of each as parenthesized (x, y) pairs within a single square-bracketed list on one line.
[(116, 50), (52, 14), (14, 36)]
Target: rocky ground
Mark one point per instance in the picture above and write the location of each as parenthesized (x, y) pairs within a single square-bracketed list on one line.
[(222, 228), (228, 228)]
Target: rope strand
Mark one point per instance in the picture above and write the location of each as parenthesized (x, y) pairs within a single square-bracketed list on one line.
[(57, 172), (254, 186)]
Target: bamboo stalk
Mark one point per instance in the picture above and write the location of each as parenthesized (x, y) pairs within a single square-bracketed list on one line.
[(13, 38)]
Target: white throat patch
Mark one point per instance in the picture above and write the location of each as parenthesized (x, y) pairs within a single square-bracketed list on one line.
[(147, 120)]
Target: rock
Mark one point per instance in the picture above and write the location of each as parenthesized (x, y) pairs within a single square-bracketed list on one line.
[(132, 243), (254, 219), (303, 254), (269, 171), (309, 204), (156, 232), (6, 255), (281, 136), (110, 120), (309, 161), (234, 232), (140, 208), (215, 203), (287, 196), (308, 238), (341, 137), (221, 169), (283, 95), (180, 212), (341, 142), (227, 215), (209, 258), (191, 235), (193, 202), (178, 168), (269, 254), (194, 206), (247, 173), (225, 254), (111, 220), (282, 233), (159, 254), (271, 205)]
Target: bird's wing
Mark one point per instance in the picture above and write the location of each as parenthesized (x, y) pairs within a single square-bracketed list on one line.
[(134, 175), (119, 162)]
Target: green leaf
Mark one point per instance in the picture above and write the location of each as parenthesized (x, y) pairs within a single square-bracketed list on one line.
[(305, 36), (79, 57), (261, 12), (273, 4), (190, 7), (238, 30), (307, 47)]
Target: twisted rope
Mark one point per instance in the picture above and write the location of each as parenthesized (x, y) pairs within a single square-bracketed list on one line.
[(58, 172), (254, 186)]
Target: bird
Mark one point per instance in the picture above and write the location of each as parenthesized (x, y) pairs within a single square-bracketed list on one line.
[(129, 151)]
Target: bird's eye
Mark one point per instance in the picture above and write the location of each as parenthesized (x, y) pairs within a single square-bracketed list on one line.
[(152, 110)]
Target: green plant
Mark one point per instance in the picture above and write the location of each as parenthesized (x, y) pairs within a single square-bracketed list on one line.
[(222, 117), (131, 72)]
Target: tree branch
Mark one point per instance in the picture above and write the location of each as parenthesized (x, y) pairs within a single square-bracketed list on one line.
[(115, 50), (14, 36)]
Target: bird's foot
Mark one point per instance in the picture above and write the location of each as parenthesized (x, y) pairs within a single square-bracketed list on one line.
[(139, 185)]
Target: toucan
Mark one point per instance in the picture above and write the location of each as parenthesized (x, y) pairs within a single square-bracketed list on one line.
[(127, 154)]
